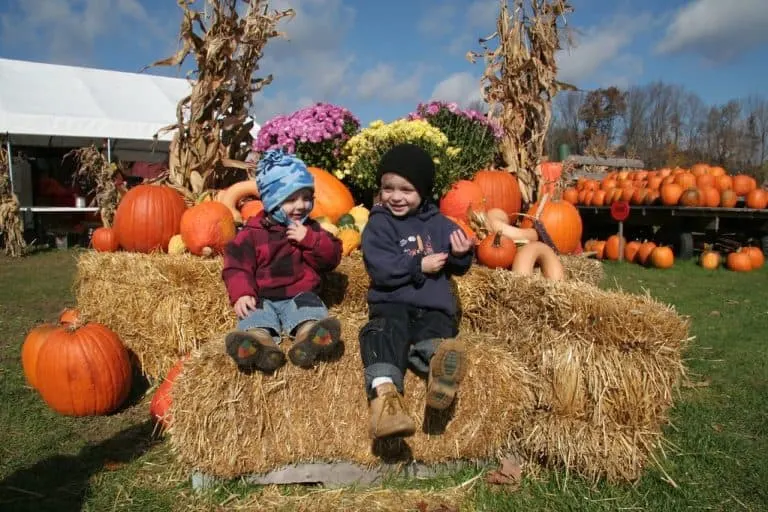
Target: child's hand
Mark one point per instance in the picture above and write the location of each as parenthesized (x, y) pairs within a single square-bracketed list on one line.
[(296, 232), (245, 305), (434, 262), (460, 243)]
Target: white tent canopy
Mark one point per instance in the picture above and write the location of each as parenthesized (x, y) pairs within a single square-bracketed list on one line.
[(68, 106)]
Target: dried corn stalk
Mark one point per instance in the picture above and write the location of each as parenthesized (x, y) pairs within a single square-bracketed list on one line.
[(11, 225), (520, 82), (99, 174), (212, 131)]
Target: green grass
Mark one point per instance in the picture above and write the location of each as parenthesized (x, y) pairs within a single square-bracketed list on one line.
[(51, 462)]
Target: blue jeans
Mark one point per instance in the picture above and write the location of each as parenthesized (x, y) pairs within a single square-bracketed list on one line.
[(283, 316)]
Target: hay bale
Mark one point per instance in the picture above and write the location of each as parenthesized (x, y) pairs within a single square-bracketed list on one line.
[(229, 424), (162, 306)]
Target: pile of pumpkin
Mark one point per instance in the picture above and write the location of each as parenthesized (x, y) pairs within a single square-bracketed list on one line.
[(152, 217), (645, 253), (648, 253), (487, 208), (702, 185)]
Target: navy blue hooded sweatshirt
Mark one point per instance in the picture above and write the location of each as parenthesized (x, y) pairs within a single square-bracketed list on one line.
[(393, 248)]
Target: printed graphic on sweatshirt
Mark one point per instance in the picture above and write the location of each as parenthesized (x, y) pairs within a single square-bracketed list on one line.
[(414, 244)]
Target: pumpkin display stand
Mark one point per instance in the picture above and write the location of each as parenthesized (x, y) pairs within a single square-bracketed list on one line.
[(561, 371)]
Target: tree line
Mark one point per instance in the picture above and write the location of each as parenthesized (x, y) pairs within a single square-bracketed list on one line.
[(663, 125)]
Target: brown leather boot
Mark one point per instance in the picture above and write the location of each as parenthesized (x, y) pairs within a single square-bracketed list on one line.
[(388, 415), (313, 340), (254, 349), (446, 370)]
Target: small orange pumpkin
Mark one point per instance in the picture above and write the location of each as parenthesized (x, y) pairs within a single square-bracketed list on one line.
[(756, 256), (630, 251), (670, 194), (757, 199), (104, 240), (496, 251), (728, 198), (662, 257), (159, 408), (644, 252), (614, 246), (69, 316), (709, 260), (739, 261), (690, 197), (207, 228)]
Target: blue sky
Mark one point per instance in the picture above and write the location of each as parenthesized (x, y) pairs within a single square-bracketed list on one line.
[(381, 58)]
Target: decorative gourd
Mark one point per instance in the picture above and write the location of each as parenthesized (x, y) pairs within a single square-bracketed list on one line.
[(147, 217), (250, 209), (331, 228), (709, 259), (231, 196), (360, 213), (161, 402), (104, 240), (30, 349), (332, 197), (756, 256), (538, 253), (463, 197), (207, 228), (350, 240), (176, 245), (739, 261), (347, 221), (83, 370), (562, 221), (496, 251), (662, 257), (465, 228), (500, 189)]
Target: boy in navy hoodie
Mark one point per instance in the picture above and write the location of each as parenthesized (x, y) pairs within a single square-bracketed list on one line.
[(410, 251)]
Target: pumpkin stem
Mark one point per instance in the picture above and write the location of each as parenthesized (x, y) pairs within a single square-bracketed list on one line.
[(497, 239)]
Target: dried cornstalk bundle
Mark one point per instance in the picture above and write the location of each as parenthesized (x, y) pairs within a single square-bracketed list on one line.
[(212, 130), (98, 174), (519, 81), (11, 225)]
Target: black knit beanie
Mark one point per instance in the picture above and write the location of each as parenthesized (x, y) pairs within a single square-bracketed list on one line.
[(412, 163)]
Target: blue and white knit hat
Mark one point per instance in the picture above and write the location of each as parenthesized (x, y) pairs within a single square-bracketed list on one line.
[(278, 175)]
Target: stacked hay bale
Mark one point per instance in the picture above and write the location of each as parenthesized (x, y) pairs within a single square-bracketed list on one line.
[(576, 376)]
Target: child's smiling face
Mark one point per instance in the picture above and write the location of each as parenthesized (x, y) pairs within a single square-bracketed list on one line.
[(298, 205), (398, 194)]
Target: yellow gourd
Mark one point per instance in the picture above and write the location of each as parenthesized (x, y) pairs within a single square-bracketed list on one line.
[(176, 245), (360, 214), (350, 240)]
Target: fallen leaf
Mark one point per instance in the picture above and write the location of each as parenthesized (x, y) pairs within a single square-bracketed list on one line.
[(717, 427), (714, 313), (422, 506), (701, 384), (111, 465), (509, 473)]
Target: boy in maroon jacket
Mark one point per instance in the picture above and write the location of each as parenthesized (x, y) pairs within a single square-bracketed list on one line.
[(272, 272)]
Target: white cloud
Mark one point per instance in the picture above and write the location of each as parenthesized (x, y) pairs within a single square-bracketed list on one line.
[(462, 88), (381, 82), (438, 20), (716, 29), (600, 47), (68, 31)]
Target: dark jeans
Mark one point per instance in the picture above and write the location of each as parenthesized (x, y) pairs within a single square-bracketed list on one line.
[(397, 335)]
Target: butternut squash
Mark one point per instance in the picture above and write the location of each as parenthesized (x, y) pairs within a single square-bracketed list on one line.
[(533, 253), (498, 221), (234, 193)]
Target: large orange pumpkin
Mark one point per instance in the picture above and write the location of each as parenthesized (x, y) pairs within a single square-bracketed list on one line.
[(30, 349), (501, 190), (463, 196), (562, 221), (104, 240), (332, 198), (83, 370), (207, 227), (147, 217)]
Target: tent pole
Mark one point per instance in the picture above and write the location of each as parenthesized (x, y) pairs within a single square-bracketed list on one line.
[(10, 160)]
